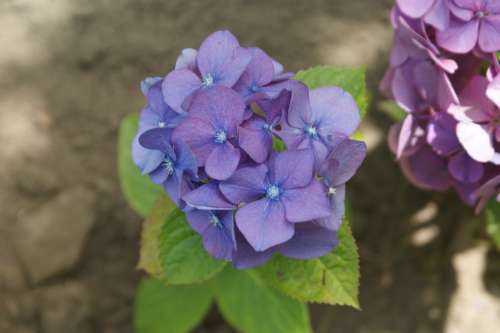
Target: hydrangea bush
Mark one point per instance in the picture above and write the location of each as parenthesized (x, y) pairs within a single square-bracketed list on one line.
[(254, 163), (444, 73)]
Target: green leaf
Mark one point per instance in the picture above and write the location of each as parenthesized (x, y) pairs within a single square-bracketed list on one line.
[(170, 309), (392, 110), (493, 221), (331, 279), (351, 80), (251, 306), (139, 191), (149, 259), (182, 256)]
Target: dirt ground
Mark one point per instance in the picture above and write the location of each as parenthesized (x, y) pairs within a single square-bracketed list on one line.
[(69, 71)]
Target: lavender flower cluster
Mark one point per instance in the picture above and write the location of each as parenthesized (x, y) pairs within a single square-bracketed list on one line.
[(444, 73), (207, 134)]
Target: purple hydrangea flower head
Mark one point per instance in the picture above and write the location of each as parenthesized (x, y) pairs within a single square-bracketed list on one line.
[(318, 119), (209, 128), (177, 159), (478, 115), (220, 61), (474, 22), (339, 167), (256, 134), (276, 197), (207, 136), (216, 228)]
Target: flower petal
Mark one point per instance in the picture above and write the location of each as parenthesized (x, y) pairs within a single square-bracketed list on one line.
[(476, 141), (159, 139), (465, 169), (292, 168), (263, 224), (306, 204), (187, 60), (441, 134), (337, 203), (147, 160), (222, 161), (439, 15), (415, 8), (219, 240), (334, 110), (246, 257), (245, 185), (177, 86), (257, 143), (460, 37), (310, 241), (489, 34), (299, 112), (493, 91), (348, 156), (221, 56), (198, 135), (207, 197), (426, 170)]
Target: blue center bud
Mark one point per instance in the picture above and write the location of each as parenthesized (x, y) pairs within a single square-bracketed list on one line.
[(220, 136), (208, 80), (311, 131), (168, 164), (273, 192)]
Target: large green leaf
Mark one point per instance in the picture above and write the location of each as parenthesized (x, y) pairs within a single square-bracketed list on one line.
[(493, 221), (149, 259), (170, 309), (251, 306), (139, 191), (182, 256), (331, 279), (351, 80)]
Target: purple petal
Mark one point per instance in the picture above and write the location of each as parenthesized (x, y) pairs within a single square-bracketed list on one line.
[(464, 169), (493, 91), (159, 175), (146, 160), (427, 170), (199, 220), (246, 257), (245, 185), (187, 60), (257, 143), (259, 72), (198, 135), (404, 92), (441, 134), (207, 197), (221, 56), (219, 106), (348, 157), (489, 34), (147, 83), (478, 104), (337, 203), (405, 135), (425, 79), (310, 241), (222, 161), (415, 8), (306, 204), (335, 110), (185, 160), (179, 85), (439, 15), (159, 139), (292, 168), (460, 37), (219, 239), (275, 108), (299, 112), (173, 187), (476, 141), (263, 224)]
